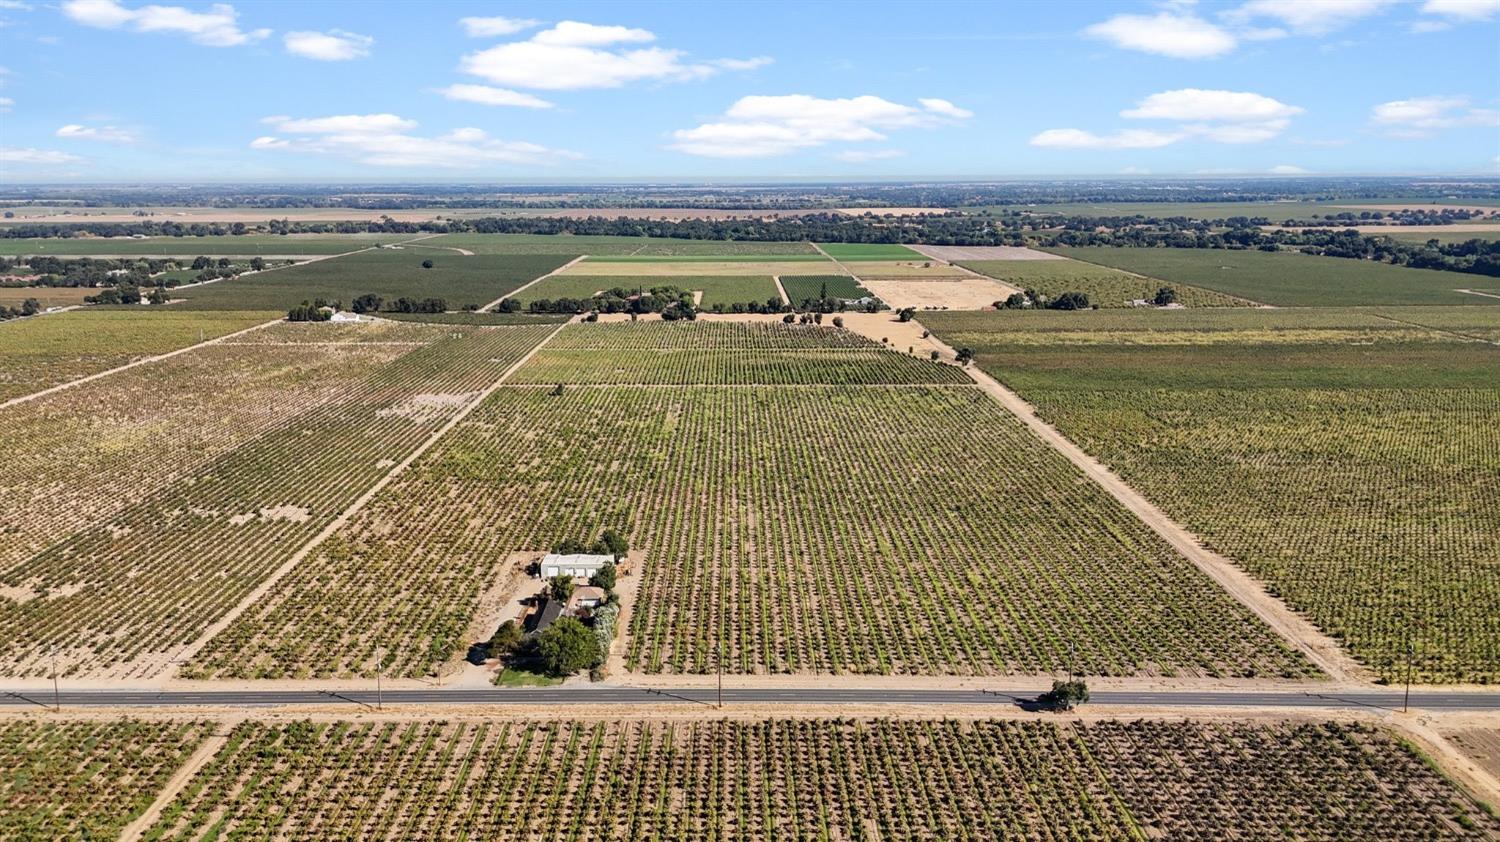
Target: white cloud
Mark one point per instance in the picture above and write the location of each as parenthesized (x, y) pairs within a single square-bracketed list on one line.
[(1422, 116), (6, 103), (16, 6), (218, 27), (41, 157), (1127, 139), (1199, 104), (1166, 34), (860, 156), (384, 140), (764, 126), (333, 45), (574, 55), (1463, 9), (1217, 116), (107, 134), (486, 95), (1287, 169), (1310, 17), (495, 26), (945, 108)]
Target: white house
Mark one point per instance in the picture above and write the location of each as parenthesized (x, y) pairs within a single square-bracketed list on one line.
[(578, 566), (345, 316)]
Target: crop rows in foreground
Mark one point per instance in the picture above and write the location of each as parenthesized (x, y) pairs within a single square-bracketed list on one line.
[(818, 779), (908, 529), (1346, 458), (121, 590)]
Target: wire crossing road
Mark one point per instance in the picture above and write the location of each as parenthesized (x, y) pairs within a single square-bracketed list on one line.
[(706, 696)]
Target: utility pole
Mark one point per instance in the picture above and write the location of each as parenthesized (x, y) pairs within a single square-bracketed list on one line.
[(56, 695), (1070, 662), (379, 658), (1411, 653), (720, 660)]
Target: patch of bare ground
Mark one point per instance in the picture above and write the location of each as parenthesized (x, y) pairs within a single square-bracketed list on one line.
[(894, 211), (1476, 775), (975, 293), (1480, 744), (627, 586)]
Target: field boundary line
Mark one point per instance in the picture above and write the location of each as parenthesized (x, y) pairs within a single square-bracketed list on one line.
[(781, 290), (1319, 648), (1462, 771), (1453, 333), (532, 282), (143, 361), (212, 745), (1477, 292), (192, 649)]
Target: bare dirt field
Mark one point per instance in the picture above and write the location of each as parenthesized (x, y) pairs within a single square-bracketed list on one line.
[(967, 293), (253, 216), (952, 253), (45, 296), (1482, 745), (893, 211), (904, 270)]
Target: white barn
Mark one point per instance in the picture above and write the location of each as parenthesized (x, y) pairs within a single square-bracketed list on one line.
[(579, 565)]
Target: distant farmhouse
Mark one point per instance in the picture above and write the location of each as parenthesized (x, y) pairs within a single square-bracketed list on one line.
[(576, 565)]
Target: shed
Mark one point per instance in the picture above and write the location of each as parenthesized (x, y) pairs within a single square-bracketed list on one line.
[(577, 565), (587, 596)]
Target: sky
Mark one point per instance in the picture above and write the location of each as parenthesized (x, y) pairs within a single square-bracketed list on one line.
[(117, 90)]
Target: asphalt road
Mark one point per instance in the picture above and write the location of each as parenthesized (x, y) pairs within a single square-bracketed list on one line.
[(607, 695)]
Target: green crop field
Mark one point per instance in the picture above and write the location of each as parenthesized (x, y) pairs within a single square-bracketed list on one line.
[(820, 525), (869, 251), (1346, 458), (1104, 286), (86, 780), (657, 247), (800, 288), (1288, 279), (818, 779), (247, 245), (41, 352), (176, 487), (720, 291), (391, 273), (1274, 211)]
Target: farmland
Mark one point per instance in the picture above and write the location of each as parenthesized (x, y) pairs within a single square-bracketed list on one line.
[(390, 273), (800, 288), (818, 779), (42, 352), (868, 251), (1287, 279), (620, 246), (45, 296), (1104, 286), (668, 269), (247, 245), (721, 291), (902, 270), (1344, 457), (86, 780), (808, 529), (187, 482)]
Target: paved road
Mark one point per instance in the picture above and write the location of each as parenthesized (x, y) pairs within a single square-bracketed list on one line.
[(607, 695)]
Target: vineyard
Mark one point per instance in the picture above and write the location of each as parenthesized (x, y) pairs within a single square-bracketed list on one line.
[(1104, 286), (86, 780), (1284, 279), (612, 245), (818, 779), (716, 290), (627, 271), (905, 529), (213, 468), (800, 288), (247, 245), (38, 353), (389, 273), (1353, 469)]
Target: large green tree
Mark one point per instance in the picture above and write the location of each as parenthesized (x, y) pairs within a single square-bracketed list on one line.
[(567, 646)]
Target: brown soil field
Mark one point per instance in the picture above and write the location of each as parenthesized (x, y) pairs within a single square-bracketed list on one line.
[(902, 270), (1482, 745), (892, 211), (47, 296), (967, 294)]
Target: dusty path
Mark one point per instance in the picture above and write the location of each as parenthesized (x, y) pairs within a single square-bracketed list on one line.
[(142, 361), (176, 783), (781, 290), (1319, 648), (1477, 292), (532, 282), (1469, 774), (270, 581)]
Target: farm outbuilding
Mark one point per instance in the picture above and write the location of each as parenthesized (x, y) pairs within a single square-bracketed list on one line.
[(576, 565)]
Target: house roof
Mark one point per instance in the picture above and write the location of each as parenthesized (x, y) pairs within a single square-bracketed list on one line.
[(585, 592), (578, 560), (543, 617)]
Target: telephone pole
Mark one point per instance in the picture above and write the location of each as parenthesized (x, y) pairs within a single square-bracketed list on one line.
[(1070, 662), (720, 661), (379, 658), (56, 694), (1411, 653)]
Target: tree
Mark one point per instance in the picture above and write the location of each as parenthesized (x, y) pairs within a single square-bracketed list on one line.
[(964, 356), (200, 263), (427, 264), (157, 296), (906, 314), (560, 587), (1165, 296), (505, 639), (1066, 695), (788, 319), (838, 321), (566, 647), (614, 543), (934, 356), (1069, 301), (604, 578), (257, 263), (823, 292), (367, 303)]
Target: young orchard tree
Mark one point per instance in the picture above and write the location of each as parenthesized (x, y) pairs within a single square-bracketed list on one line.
[(560, 587)]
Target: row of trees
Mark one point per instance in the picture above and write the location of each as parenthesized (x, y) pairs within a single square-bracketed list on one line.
[(1031, 299)]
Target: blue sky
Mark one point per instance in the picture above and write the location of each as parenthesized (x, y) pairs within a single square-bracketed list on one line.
[(116, 90)]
